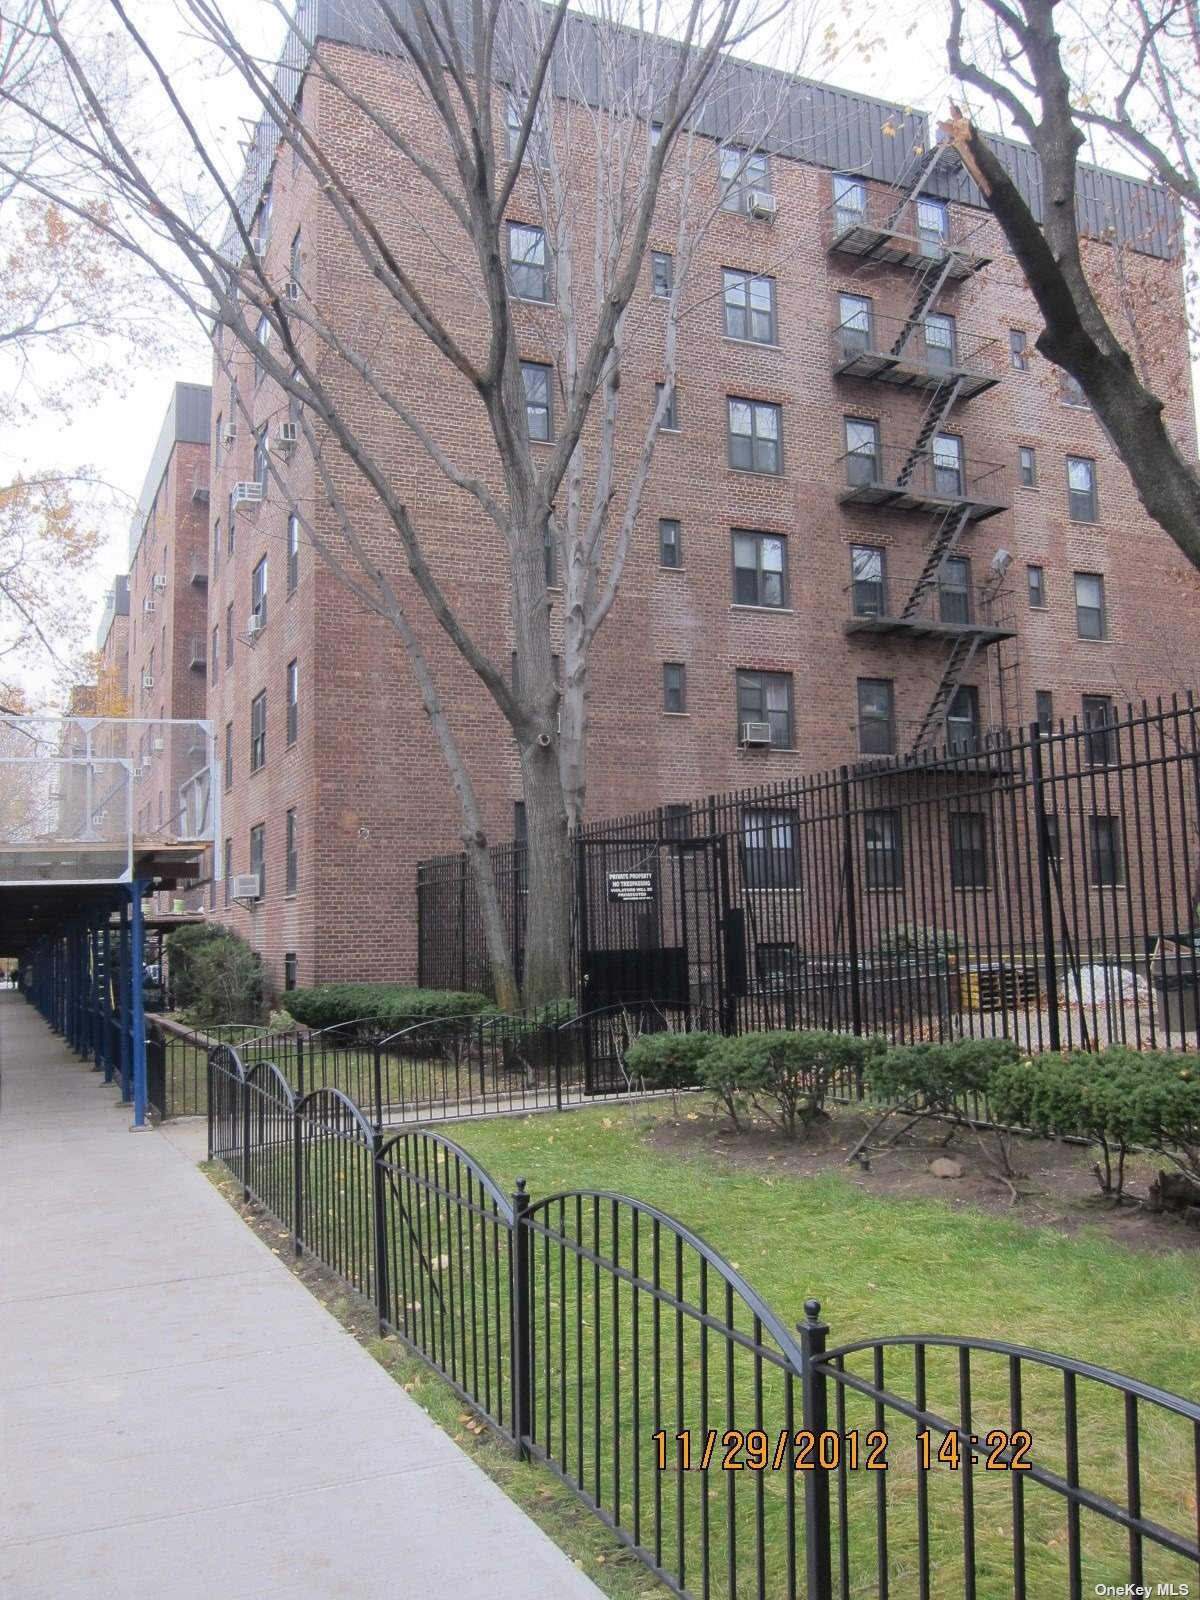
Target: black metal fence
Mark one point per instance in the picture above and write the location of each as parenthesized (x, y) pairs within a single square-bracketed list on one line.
[(731, 1454), (1041, 885)]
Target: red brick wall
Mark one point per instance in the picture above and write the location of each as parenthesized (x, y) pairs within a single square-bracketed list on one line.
[(366, 777)]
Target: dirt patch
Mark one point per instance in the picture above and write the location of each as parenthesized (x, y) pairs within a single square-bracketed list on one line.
[(1057, 1186)]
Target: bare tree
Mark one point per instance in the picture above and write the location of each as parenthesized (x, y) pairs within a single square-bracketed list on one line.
[(1130, 73), (592, 122)]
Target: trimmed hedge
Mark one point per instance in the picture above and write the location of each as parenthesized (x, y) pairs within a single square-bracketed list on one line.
[(786, 1077), (669, 1060), (939, 1079), (390, 1005)]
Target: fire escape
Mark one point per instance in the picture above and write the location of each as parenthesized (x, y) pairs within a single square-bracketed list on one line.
[(922, 352)]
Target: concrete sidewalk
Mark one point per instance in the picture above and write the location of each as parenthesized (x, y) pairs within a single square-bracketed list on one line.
[(180, 1418)]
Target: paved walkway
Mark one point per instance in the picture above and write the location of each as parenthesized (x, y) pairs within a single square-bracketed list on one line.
[(180, 1418)]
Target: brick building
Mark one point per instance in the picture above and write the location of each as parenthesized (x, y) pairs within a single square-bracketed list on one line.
[(112, 644), (167, 605), (880, 520)]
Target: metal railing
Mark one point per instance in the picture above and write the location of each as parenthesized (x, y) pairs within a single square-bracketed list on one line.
[(732, 1455), (895, 474), (903, 599), (894, 349)]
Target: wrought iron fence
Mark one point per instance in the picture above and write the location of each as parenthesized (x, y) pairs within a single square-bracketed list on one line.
[(1041, 885), (729, 1453)]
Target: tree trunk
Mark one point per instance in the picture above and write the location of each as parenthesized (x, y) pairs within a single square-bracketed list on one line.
[(547, 974), (495, 939)]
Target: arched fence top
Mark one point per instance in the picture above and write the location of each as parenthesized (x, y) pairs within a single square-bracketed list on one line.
[(786, 1340), (1045, 1358), (226, 1059), (631, 1008), (337, 1028), (309, 1106), (431, 1022), (275, 1078), (427, 1136)]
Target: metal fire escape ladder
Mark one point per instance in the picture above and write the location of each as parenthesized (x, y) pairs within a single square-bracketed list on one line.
[(936, 412), (958, 664), (929, 286), (946, 536), (910, 191)]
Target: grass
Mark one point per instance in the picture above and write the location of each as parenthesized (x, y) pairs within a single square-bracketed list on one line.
[(880, 1266)]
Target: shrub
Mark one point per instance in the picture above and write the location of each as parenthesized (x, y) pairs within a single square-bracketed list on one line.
[(669, 1060), (391, 1005), (941, 1080), (226, 980), (786, 1077), (183, 945), (912, 939)]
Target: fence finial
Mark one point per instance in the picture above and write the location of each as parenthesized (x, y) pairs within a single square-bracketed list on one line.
[(812, 1310), (520, 1185)]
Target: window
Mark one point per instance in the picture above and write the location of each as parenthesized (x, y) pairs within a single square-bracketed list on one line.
[(293, 553), (777, 964), (849, 201), (968, 850), (662, 273), (933, 222), (1036, 577), (515, 107), (749, 307), (954, 590), (215, 664), (1018, 349), (257, 862), (262, 338), (293, 701), (1071, 391), (232, 518), (538, 410), (670, 542), (216, 560), (868, 580), (1053, 837), (1081, 489), (755, 432), (941, 341), (1027, 466), (229, 755), (656, 133), (766, 697), (227, 873), (1043, 702), (741, 173), (258, 592), (229, 636), (527, 270), (258, 731), (759, 569), (677, 822), (881, 840), (289, 970), (769, 849), (550, 558), (260, 458), (962, 721), (670, 416), (855, 314), (674, 686), (1090, 618), (862, 451), (1099, 721), (291, 856), (265, 212), (876, 717), (1105, 838), (947, 464)]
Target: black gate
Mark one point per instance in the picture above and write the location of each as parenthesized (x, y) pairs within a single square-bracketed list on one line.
[(655, 926)]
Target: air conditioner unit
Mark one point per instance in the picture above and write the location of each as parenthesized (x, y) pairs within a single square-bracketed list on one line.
[(158, 744), (755, 734), (136, 772), (230, 434), (148, 606), (254, 625), (160, 582), (147, 680), (244, 886), (247, 494), (286, 437), (290, 290), (258, 249), (761, 204)]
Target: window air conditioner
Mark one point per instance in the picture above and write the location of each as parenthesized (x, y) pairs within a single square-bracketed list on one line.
[(254, 625), (230, 434), (160, 582), (290, 290), (244, 886), (148, 606), (286, 436), (756, 733), (761, 204), (247, 494), (136, 772), (147, 680), (158, 744)]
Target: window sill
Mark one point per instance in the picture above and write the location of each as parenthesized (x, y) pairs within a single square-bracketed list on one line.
[(775, 611), (664, 566), (768, 749), (677, 713), (531, 300), (1032, 607), (1029, 488), (754, 344), (664, 429), (756, 472)]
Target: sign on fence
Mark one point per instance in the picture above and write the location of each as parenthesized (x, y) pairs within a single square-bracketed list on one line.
[(631, 886)]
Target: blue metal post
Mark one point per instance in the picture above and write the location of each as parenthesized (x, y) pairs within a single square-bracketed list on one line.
[(123, 995), (137, 1008), (106, 1001)]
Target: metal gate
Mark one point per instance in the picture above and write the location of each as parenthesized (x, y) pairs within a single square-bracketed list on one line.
[(655, 926)]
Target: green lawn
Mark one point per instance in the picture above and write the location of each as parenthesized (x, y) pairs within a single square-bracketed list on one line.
[(879, 1267)]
